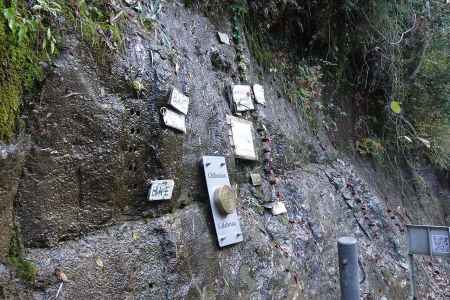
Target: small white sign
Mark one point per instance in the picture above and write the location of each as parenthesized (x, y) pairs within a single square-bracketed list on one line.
[(242, 138), (223, 38), (440, 243), (161, 190), (258, 90), (279, 208), (173, 119), (242, 97), (179, 101), (256, 179)]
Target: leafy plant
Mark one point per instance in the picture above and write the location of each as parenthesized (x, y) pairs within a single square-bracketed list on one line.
[(20, 26), (305, 92), (370, 147), (29, 35), (51, 7)]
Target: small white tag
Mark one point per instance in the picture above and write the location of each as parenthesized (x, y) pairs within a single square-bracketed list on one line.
[(223, 38), (242, 138), (179, 101), (242, 97), (161, 190), (174, 120), (258, 90), (279, 208), (256, 179)]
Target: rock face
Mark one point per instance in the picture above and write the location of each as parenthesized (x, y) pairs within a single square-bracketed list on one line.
[(11, 163), (96, 144), (74, 172)]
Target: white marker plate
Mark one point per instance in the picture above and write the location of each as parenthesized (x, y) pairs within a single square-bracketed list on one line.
[(161, 190), (258, 90), (242, 138), (242, 97), (279, 208), (173, 119), (223, 38), (228, 227), (256, 179), (179, 101)]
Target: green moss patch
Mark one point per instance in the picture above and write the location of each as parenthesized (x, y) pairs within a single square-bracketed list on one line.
[(25, 269), (19, 61)]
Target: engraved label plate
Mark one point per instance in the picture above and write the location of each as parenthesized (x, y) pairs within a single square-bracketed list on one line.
[(256, 179), (258, 90), (223, 38), (174, 120), (242, 138), (228, 228), (179, 101), (242, 97), (161, 190), (429, 240)]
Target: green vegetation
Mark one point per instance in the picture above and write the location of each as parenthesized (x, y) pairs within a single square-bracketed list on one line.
[(390, 58), (387, 62), (25, 269), (19, 58), (29, 36), (304, 90), (394, 62)]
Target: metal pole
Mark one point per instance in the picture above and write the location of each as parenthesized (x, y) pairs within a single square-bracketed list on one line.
[(412, 277), (348, 268)]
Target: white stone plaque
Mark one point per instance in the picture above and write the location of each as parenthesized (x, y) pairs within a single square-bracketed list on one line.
[(256, 179), (242, 138), (258, 90), (179, 101), (161, 190), (174, 120), (279, 208), (242, 97), (223, 38), (228, 227)]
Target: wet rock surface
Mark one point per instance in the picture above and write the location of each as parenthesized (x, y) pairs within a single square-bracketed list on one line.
[(96, 144), (12, 158)]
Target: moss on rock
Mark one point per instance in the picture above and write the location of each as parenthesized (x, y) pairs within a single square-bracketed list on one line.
[(25, 269), (18, 72)]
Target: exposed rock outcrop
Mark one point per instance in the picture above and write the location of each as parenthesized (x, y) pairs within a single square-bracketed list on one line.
[(96, 144)]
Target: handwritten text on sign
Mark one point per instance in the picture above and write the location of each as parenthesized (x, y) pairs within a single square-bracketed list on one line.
[(179, 101), (242, 97), (161, 190), (440, 243)]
